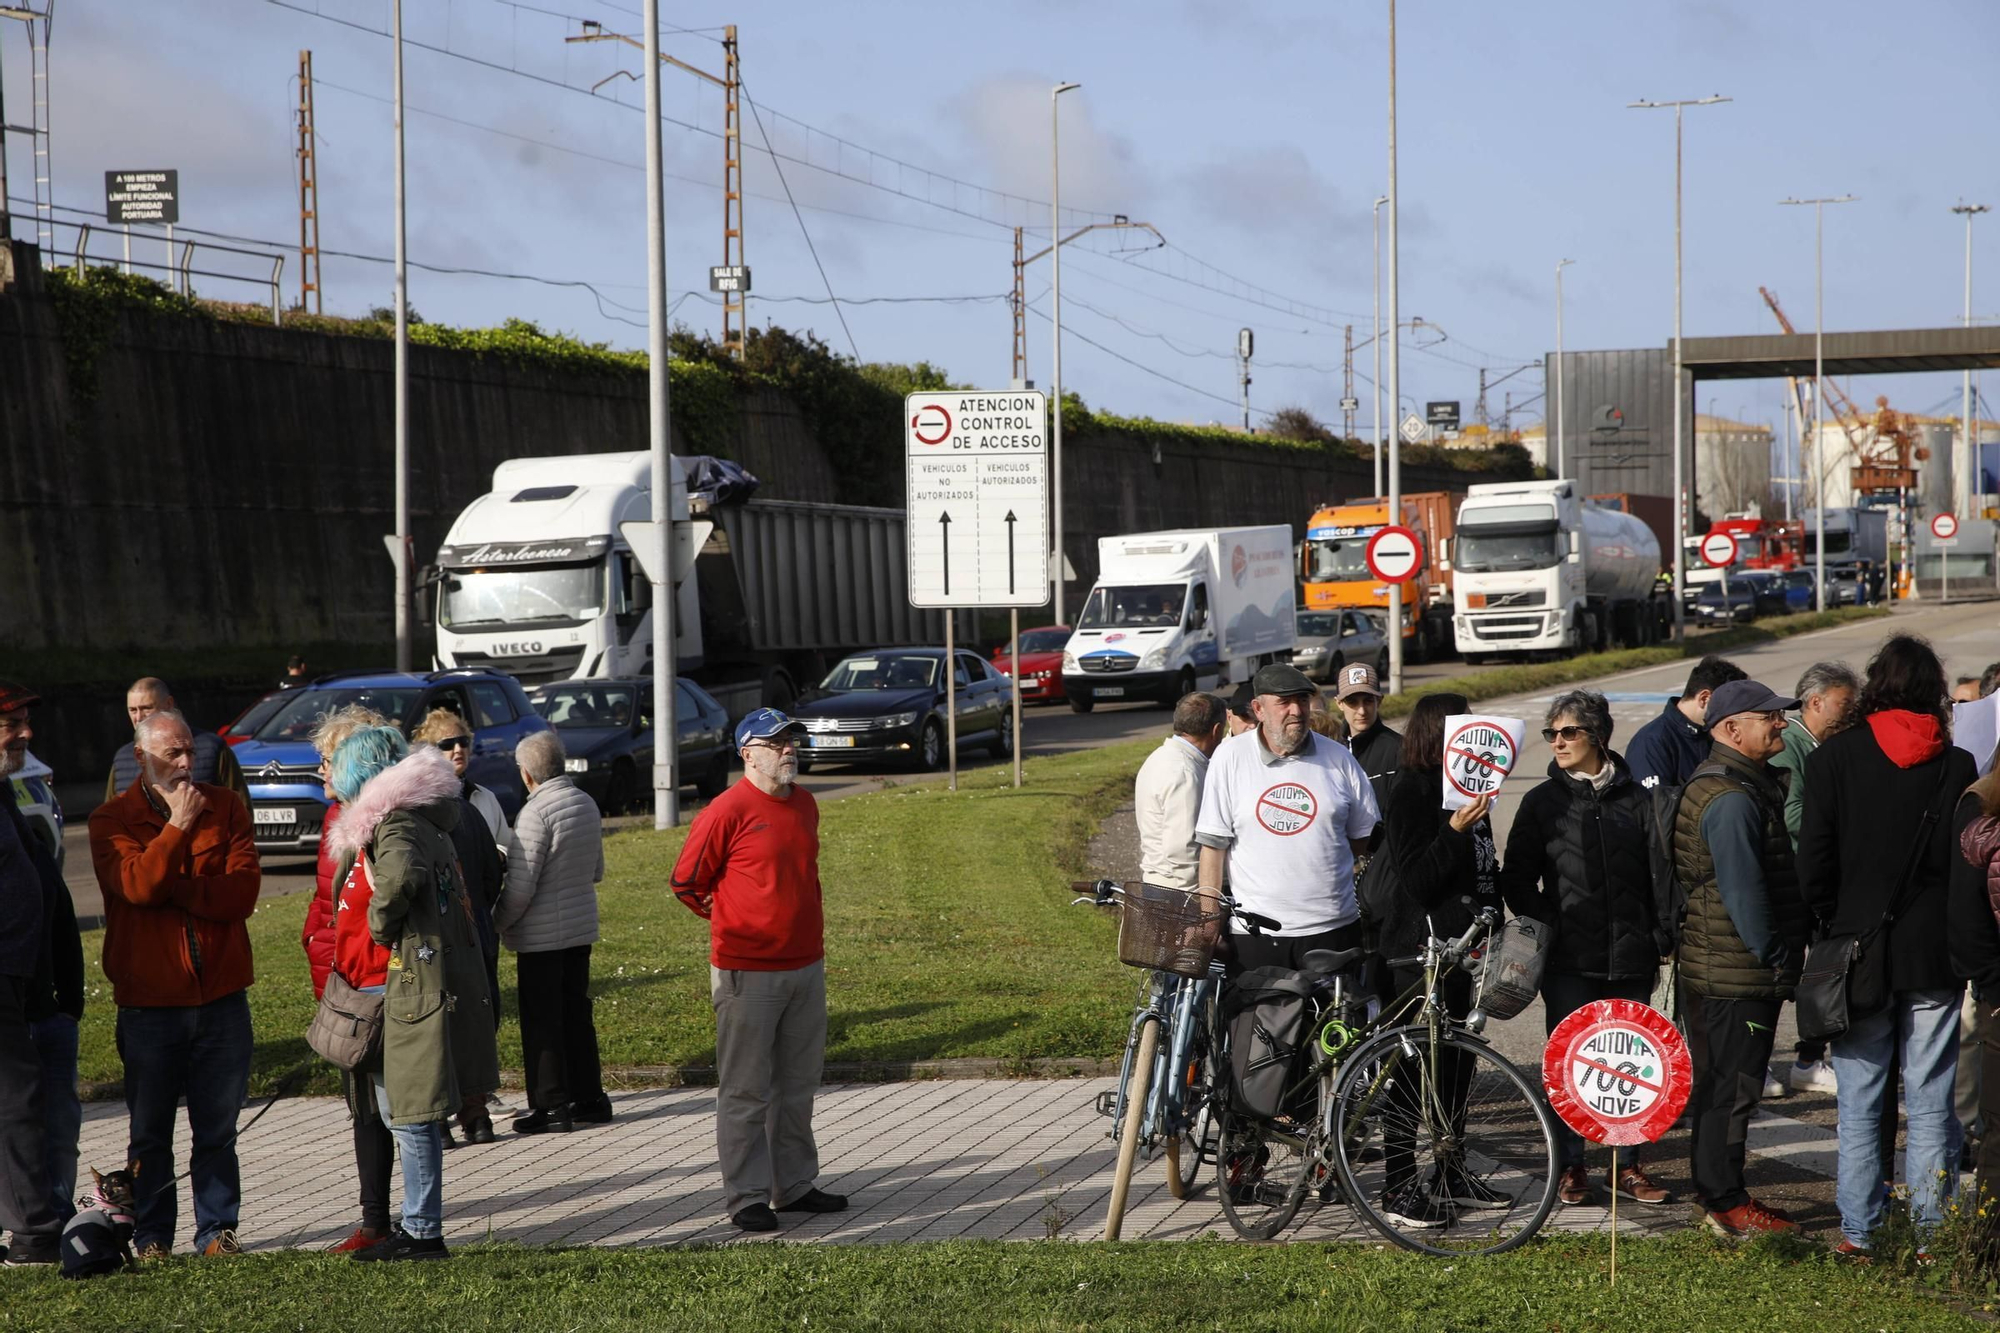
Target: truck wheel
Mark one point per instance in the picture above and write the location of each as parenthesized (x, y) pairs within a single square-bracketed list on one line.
[(930, 748), (1081, 703), (1183, 685), (779, 692)]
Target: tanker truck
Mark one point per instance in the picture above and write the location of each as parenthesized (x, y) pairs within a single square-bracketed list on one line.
[(1537, 568)]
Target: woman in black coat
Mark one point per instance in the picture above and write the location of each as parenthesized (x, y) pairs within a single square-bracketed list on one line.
[(1577, 859), (1438, 868)]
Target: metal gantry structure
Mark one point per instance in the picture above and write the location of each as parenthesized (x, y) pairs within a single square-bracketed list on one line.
[(1018, 301), (39, 22), (309, 284)]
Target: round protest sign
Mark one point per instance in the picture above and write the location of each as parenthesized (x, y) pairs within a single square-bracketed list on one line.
[(1617, 1072), (1478, 756), (1287, 809)]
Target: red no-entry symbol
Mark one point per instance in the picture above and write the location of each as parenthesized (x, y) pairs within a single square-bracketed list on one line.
[(931, 424)]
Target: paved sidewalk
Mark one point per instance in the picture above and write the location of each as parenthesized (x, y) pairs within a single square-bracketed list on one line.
[(979, 1158)]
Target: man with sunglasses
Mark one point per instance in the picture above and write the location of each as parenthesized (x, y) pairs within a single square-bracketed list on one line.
[(750, 868)]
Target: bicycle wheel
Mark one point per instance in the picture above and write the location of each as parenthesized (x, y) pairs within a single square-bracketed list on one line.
[(1262, 1173), (1199, 1092), (1442, 1144), (1136, 1088)]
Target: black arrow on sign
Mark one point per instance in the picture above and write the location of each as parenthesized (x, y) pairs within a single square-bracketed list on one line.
[(944, 540), (1010, 553)]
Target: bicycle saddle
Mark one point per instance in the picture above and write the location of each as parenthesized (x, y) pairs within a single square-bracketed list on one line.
[(1326, 962)]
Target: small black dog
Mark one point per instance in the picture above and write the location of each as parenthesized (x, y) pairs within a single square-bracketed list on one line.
[(98, 1240)]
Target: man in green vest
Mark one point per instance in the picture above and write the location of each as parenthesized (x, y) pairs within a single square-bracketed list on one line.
[(1742, 944)]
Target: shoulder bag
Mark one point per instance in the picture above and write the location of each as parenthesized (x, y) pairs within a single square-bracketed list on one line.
[(1846, 977), (346, 1029)]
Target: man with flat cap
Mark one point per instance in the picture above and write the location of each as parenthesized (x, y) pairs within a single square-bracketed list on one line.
[(1743, 941), (1283, 811)]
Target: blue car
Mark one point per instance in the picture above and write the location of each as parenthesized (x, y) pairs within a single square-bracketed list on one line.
[(287, 801)]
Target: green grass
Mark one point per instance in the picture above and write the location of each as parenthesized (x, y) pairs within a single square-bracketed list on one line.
[(1685, 1282), (949, 934), (1495, 682)]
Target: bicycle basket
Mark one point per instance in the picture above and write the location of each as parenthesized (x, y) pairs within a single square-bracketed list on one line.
[(1168, 929), (1510, 972)]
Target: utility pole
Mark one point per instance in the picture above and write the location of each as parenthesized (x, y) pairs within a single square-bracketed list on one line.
[(403, 653), (1968, 459), (1056, 570), (659, 428), (1819, 381), (1246, 342), (1479, 406), (1377, 340), (1561, 264), (1680, 449), (1395, 491), (1119, 222), (309, 288), (1347, 386)]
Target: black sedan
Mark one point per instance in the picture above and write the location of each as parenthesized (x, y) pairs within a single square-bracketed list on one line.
[(607, 733), (1711, 607), (890, 706)]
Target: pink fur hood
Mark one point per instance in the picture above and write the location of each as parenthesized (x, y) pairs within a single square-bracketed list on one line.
[(422, 777)]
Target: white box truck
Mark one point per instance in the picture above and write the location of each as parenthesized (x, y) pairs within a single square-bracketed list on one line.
[(538, 579), (1539, 569), (1178, 611)]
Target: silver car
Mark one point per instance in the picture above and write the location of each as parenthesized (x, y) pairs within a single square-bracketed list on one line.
[(1329, 640)]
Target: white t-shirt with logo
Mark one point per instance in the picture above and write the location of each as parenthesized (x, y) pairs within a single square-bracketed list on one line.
[(1286, 821)]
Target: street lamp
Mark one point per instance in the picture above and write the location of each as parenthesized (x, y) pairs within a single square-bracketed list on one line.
[(1561, 264), (1055, 359), (1680, 484), (1819, 381), (1969, 454), (1395, 488), (1377, 340)]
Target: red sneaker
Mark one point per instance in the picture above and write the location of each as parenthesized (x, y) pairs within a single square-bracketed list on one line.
[(1747, 1219), (362, 1239), (1851, 1252)]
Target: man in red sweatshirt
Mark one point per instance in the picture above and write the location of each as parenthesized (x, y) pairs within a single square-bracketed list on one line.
[(751, 868)]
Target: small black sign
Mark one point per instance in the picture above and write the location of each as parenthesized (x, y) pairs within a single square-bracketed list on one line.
[(143, 196), (1442, 416), (729, 278)]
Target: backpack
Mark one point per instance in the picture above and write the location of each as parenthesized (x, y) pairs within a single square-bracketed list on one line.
[(1670, 896), (1269, 1012)]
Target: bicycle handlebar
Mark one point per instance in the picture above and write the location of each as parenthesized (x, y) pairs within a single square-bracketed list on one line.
[(1103, 892)]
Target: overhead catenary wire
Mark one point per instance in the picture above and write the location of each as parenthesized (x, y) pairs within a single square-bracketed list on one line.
[(803, 230), (1069, 332)]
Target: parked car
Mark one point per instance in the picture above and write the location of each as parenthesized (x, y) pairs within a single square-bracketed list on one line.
[(1041, 663), (35, 798), (890, 706), (1329, 640), (245, 724), (607, 734), (1847, 585), (1768, 592), (287, 800), (1739, 606)]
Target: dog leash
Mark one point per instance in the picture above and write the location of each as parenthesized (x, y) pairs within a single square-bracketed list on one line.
[(287, 1085)]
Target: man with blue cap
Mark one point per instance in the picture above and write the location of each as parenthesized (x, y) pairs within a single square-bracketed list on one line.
[(751, 869)]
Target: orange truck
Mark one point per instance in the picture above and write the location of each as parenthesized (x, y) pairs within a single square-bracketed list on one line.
[(1333, 569)]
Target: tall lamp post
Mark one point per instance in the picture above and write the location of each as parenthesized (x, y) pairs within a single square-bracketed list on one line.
[(1055, 358), (1819, 381), (1395, 488), (1969, 454), (1378, 343), (1561, 264), (1680, 466), (402, 410), (659, 432)]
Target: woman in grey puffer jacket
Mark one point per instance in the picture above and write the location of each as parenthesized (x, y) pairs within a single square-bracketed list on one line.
[(547, 914)]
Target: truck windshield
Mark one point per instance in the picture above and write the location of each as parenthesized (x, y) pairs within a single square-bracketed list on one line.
[(1486, 552), (1338, 560), (1139, 604), (541, 595)]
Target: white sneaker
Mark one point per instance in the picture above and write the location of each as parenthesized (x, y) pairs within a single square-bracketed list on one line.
[(1814, 1077), (1773, 1085)]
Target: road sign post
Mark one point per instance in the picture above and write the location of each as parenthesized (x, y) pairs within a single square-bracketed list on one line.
[(1617, 1072), (1718, 551), (1944, 536), (977, 515)]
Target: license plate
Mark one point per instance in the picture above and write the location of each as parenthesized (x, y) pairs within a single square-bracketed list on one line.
[(1109, 691), (832, 742), (272, 814)]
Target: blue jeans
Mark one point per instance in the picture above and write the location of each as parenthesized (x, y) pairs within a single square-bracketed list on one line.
[(201, 1053), (421, 1147), (1923, 1027), (62, 1113)]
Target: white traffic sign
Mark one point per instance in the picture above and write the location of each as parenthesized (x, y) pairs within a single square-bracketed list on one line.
[(1350, 404), (1414, 430), (1944, 526), (1394, 554), (1718, 549), (977, 513)]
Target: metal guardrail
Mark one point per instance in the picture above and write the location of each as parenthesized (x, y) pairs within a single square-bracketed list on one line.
[(188, 258)]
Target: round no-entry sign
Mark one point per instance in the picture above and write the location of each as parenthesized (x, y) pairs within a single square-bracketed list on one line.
[(1618, 1072), (1944, 525), (1394, 554), (1718, 549)]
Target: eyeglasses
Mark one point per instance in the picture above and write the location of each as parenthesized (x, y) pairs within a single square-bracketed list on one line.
[(450, 743), (782, 743), (1571, 734)]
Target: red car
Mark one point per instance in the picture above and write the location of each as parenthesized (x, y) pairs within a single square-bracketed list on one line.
[(1041, 663)]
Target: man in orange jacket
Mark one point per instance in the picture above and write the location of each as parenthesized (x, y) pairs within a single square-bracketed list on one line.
[(178, 867)]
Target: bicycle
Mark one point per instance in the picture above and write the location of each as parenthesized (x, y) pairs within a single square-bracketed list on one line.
[(1171, 1080), (1439, 1142)]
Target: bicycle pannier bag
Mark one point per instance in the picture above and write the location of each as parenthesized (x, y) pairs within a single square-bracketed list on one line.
[(1269, 1011), (1510, 969)]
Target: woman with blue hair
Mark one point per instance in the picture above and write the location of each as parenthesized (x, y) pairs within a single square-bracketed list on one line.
[(408, 933)]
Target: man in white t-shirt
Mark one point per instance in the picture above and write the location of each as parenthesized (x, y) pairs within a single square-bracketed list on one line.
[(1283, 811)]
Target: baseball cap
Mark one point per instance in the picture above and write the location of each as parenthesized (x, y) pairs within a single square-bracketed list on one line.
[(1281, 678), (764, 723), (1358, 678), (14, 696), (1743, 696)]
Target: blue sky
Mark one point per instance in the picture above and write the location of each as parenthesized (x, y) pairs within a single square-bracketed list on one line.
[(1251, 134)]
